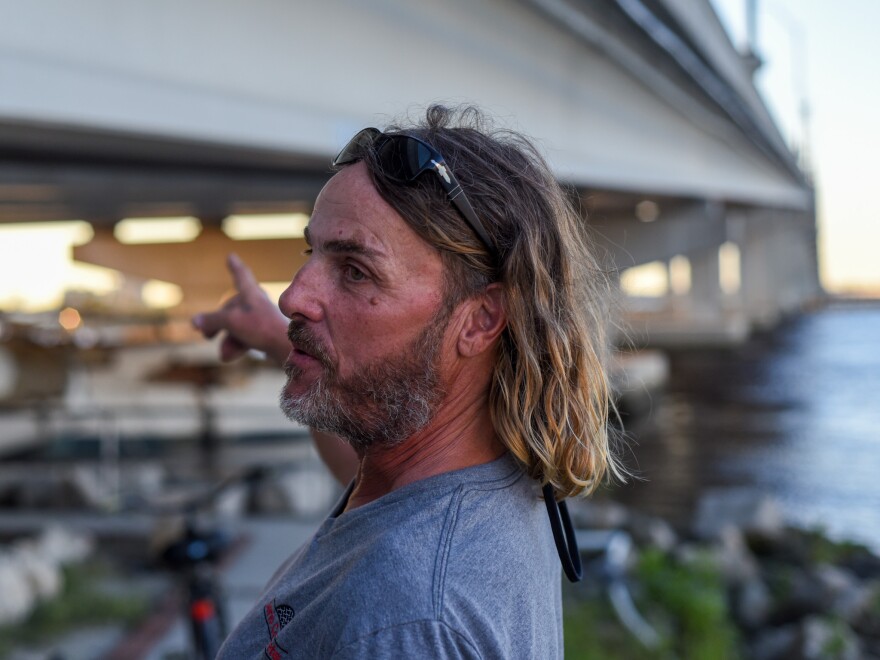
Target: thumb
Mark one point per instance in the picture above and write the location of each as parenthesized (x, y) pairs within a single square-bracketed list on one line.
[(231, 348)]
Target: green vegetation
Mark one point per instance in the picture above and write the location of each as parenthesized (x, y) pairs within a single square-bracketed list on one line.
[(822, 549), (83, 602), (693, 601), (836, 645), (686, 604), (593, 632)]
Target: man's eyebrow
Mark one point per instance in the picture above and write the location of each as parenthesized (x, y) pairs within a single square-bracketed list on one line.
[(348, 246), (345, 246)]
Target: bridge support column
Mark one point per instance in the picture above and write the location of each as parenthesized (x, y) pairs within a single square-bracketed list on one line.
[(763, 257), (705, 295)]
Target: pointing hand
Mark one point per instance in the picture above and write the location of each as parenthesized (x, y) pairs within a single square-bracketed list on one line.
[(249, 319)]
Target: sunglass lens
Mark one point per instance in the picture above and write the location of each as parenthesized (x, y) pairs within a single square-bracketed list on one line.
[(356, 147), (403, 158)]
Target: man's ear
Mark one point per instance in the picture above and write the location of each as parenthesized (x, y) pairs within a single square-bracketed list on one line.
[(484, 322)]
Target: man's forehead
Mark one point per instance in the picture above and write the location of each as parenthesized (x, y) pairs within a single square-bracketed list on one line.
[(350, 213)]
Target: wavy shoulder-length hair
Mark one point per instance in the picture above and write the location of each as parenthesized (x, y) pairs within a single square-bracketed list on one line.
[(549, 396)]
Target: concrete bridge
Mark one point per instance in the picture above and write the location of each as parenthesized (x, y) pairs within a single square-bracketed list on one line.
[(210, 108)]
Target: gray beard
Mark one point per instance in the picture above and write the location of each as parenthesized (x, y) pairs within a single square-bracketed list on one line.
[(382, 404)]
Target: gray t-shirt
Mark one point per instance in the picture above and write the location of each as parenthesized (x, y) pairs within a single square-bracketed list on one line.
[(459, 565)]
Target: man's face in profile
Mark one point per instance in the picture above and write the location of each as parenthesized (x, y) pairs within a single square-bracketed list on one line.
[(367, 320)]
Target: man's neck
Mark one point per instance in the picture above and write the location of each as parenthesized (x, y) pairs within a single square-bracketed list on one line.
[(453, 440)]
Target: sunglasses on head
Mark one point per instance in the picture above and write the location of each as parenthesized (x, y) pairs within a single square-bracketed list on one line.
[(404, 158)]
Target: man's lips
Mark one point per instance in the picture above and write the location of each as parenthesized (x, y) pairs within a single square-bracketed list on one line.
[(300, 358), (305, 347), (297, 349)]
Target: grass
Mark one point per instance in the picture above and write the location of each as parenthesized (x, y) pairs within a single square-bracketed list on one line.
[(686, 604), (592, 632), (81, 603)]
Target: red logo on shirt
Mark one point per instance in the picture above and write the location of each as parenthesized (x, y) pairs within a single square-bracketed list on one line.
[(274, 652), (276, 618), (271, 619)]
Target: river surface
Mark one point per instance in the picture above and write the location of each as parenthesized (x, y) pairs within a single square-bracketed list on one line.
[(794, 413)]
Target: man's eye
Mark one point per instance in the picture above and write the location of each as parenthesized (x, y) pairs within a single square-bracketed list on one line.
[(307, 252), (354, 273)]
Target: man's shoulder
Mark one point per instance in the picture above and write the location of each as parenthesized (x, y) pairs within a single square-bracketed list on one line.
[(410, 548), (474, 556), (479, 521), (438, 562), (402, 548), (497, 574)]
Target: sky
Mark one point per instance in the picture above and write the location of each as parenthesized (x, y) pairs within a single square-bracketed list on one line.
[(826, 52), (821, 53)]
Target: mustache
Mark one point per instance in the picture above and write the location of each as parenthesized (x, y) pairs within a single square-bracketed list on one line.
[(305, 340)]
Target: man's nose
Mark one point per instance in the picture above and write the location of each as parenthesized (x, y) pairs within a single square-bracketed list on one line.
[(302, 296)]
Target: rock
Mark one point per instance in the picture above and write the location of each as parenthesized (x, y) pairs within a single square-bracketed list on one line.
[(746, 509), (752, 603), (18, 593), (689, 553), (823, 638), (729, 554), (834, 580), (62, 546), (824, 589), (846, 595), (776, 643), (871, 648), (30, 570), (854, 604), (734, 557), (799, 594), (863, 564), (865, 615), (696, 555), (816, 638), (653, 532), (42, 574), (598, 514)]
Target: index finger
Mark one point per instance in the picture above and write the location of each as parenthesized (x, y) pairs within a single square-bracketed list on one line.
[(241, 275)]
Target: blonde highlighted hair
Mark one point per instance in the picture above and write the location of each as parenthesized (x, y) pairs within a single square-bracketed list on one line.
[(550, 398)]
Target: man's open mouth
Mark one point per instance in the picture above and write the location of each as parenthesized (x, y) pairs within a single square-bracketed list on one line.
[(304, 345), (300, 351)]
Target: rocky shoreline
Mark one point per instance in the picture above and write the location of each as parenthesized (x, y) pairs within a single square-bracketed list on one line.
[(781, 592), (735, 583)]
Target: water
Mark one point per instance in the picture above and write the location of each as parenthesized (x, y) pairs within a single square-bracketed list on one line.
[(794, 413)]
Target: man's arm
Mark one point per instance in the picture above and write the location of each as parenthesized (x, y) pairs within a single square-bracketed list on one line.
[(249, 319)]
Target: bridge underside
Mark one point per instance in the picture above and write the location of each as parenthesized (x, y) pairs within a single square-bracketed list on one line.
[(634, 101), (51, 173)]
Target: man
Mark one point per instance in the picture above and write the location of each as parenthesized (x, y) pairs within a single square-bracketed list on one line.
[(446, 328)]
